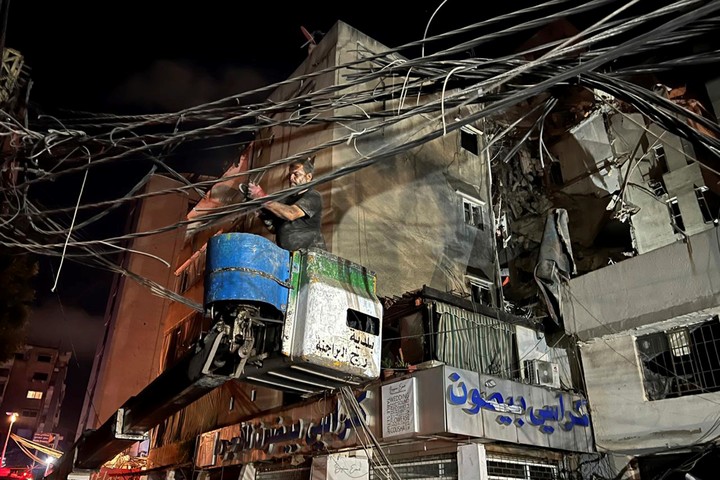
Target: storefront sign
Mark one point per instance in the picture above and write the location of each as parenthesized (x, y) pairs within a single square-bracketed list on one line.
[(399, 416), (500, 409), (298, 430), (515, 410)]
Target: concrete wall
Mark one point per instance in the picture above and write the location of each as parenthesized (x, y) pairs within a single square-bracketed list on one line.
[(128, 360), (674, 280), (651, 224), (585, 157), (400, 217), (623, 420)]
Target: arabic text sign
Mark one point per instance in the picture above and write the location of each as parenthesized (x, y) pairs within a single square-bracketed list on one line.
[(268, 437), (505, 410), (399, 415), (516, 411)]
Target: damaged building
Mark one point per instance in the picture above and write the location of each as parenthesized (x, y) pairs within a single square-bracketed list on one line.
[(537, 257), (424, 222)]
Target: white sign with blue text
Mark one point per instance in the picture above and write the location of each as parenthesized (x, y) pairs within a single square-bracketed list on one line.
[(492, 407)]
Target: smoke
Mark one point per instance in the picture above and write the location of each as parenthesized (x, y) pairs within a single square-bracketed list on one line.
[(70, 329), (169, 85)]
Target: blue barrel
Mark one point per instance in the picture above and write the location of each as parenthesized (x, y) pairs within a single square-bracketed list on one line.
[(243, 268)]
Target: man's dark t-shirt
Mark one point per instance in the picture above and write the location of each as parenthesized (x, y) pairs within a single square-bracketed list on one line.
[(303, 232)]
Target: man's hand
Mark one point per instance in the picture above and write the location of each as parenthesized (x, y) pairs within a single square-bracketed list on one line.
[(256, 191)]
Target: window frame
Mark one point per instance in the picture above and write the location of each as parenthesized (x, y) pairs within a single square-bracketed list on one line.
[(681, 361), (472, 205)]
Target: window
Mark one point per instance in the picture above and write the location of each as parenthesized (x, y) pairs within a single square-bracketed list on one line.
[(40, 376), (34, 394), (700, 193), (436, 467), (657, 187), (29, 413), (508, 467), (556, 175), (481, 290), (44, 358), (4, 372), (660, 158), (681, 361), (362, 321), (473, 211), (469, 140), (675, 215), (20, 356)]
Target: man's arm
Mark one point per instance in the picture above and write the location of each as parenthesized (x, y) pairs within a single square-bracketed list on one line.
[(286, 212)]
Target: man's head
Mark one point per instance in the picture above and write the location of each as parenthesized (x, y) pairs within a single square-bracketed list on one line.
[(300, 172)]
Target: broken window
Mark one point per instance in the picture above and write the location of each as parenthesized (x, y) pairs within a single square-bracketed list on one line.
[(556, 175), (657, 187), (682, 361), (660, 158), (473, 212), (469, 140), (363, 322), (700, 193), (481, 290), (675, 215)]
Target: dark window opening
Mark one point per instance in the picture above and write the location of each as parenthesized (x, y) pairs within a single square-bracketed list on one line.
[(682, 361), (4, 372), (556, 175), (657, 187), (469, 142), (29, 413), (44, 358), (40, 376), (675, 215), (700, 193), (19, 356), (363, 322), (660, 157), (481, 294)]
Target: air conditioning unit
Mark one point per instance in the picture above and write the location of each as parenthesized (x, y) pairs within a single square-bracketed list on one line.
[(540, 372)]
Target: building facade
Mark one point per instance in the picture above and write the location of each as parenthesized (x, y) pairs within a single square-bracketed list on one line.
[(420, 220), (34, 388)]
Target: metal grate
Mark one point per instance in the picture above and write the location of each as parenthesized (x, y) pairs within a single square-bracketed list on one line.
[(682, 361), (440, 467), (513, 468)]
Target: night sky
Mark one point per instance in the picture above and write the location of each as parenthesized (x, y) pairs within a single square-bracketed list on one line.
[(150, 57)]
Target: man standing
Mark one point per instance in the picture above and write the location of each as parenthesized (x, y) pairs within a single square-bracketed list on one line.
[(296, 221)]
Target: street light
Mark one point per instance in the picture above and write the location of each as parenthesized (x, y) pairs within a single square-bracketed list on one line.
[(48, 463), (13, 417)]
